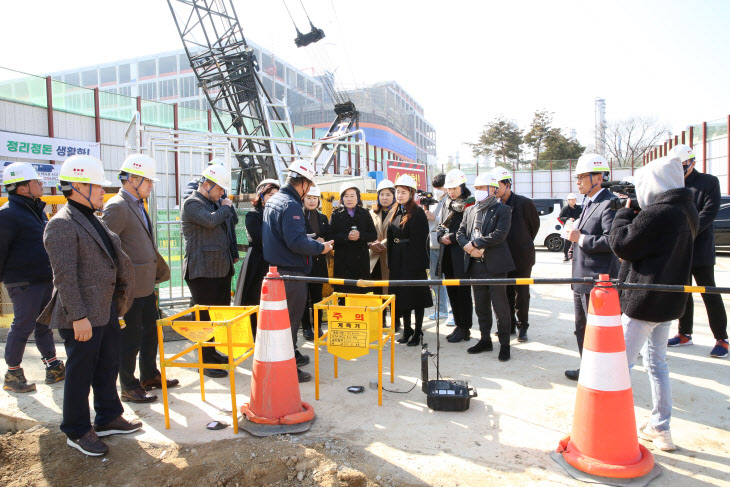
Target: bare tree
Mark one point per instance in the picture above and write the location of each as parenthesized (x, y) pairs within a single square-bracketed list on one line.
[(631, 138)]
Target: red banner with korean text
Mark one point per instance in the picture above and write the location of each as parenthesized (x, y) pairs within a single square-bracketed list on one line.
[(414, 169)]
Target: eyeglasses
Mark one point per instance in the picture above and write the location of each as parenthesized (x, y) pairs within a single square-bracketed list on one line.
[(578, 177)]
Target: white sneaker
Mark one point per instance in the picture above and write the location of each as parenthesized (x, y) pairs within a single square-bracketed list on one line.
[(450, 321), (441, 316), (661, 439)]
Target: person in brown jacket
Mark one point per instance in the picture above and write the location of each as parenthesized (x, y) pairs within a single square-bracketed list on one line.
[(93, 284), (126, 216)]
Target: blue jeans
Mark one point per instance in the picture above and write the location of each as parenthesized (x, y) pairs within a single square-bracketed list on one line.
[(442, 297), (636, 333)]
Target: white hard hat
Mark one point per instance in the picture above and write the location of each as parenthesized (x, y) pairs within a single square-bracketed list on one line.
[(83, 169), (302, 168), (140, 165), (263, 184), (571, 196), (18, 172), (347, 185), (314, 191), (500, 174), (486, 179), (217, 161), (455, 178), (385, 184), (406, 180), (219, 176), (684, 152), (588, 163)]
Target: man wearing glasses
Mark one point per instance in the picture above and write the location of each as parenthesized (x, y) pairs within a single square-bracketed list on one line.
[(30, 286), (592, 254)]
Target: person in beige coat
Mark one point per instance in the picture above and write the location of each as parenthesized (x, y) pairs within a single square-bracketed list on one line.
[(126, 216), (93, 284), (378, 255)]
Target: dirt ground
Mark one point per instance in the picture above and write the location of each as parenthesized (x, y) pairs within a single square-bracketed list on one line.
[(523, 409)]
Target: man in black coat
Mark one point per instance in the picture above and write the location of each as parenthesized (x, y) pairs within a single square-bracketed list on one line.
[(569, 213), (482, 235), (26, 272), (521, 243), (655, 246), (706, 194), (591, 251)]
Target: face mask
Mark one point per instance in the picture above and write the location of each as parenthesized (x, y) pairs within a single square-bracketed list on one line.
[(481, 195), (438, 193)]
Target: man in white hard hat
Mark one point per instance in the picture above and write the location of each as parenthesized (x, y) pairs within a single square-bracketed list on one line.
[(591, 252), (569, 213), (483, 237), (706, 192), (521, 243), (208, 262), (125, 215), (23, 221), (93, 284), (287, 246)]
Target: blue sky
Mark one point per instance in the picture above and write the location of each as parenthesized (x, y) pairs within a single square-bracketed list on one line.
[(465, 62)]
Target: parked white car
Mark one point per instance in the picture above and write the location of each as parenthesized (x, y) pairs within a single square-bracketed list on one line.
[(551, 229)]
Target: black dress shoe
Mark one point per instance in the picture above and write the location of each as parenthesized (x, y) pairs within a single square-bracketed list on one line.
[(156, 383), (459, 335), (216, 358), (303, 376), (452, 333), (415, 340), (308, 335), (215, 373), (138, 395), (522, 332), (301, 358), (406, 337), (483, 345), (503, 353), (572, 374)]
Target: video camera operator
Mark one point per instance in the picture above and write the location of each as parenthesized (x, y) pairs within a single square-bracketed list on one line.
[(655, 246)]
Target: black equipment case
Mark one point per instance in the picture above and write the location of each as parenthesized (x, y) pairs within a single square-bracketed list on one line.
[(444, 394)]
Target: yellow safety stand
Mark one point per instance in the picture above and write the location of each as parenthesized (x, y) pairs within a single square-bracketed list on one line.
[(230, 326), (353, 330)]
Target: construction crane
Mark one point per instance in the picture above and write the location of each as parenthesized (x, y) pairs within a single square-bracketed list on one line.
[(227, 71)]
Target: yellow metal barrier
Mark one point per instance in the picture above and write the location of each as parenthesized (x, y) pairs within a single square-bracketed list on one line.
[(230, 327), (353, 330)]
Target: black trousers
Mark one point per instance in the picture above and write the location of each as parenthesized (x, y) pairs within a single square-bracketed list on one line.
[(566, 246), (459, 296), (93, 364), (488, 297), (314, 296), (211, 291), (139, 337), (296, 302), (705, 276), (580, 303), (519, 297), (28, 302)]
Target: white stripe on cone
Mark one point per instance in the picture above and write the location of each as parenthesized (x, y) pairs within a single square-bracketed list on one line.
[(273, 345), (605, 321), (604, 371), (275, 305)]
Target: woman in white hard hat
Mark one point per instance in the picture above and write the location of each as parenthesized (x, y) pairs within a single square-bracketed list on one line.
[(379, 213), (254, 266), (569, 213), (351, 228), (408, 258), (318, 227)]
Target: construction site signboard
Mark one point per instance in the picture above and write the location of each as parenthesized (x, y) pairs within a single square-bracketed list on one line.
[(416, 170)]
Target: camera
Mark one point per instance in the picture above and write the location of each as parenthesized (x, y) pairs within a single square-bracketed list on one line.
[(441, 230), (426, 198), (625, 190)]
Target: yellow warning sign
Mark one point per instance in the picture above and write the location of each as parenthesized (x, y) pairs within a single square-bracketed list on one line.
[(193, 330), (348, 333), (240, 330)]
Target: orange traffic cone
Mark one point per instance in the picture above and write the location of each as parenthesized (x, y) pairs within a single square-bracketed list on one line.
[(604, 440), (276, 406)]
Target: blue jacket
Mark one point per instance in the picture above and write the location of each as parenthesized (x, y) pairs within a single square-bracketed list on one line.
[(23, 258), (286, 244)]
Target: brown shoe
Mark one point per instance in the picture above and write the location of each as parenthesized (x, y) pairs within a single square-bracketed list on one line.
[(119, 426), (138, 395), (15, 381), (56, 373), (156, 383), (89, 444)]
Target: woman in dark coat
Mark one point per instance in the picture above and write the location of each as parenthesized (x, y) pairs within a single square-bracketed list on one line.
[(352, 229), (452, 255), (317, 226), (408, 258), (255, 266)]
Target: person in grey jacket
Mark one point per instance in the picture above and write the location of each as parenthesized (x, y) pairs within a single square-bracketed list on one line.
[(590, 249), (483, 237), (208, 264), (93, 284)]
